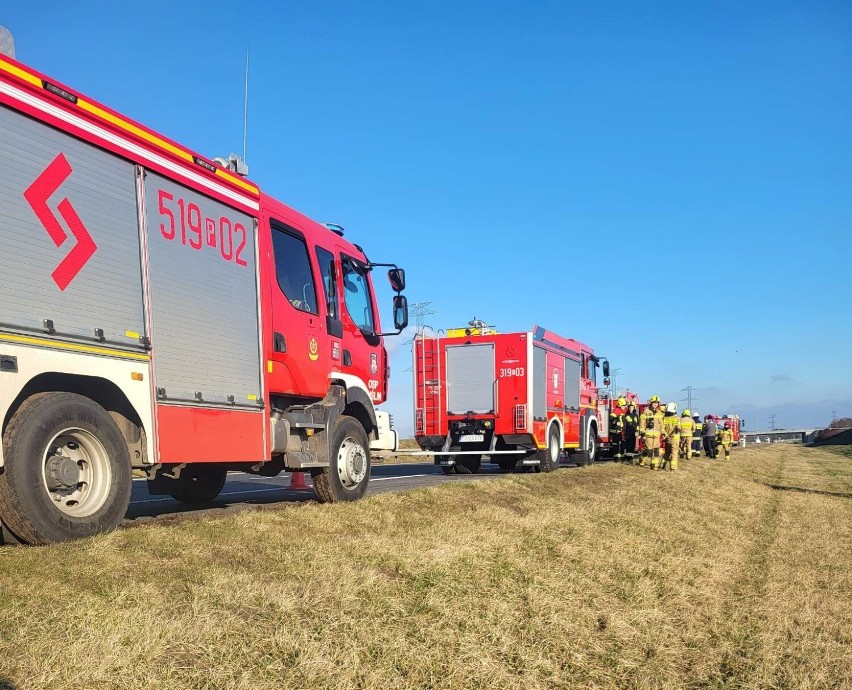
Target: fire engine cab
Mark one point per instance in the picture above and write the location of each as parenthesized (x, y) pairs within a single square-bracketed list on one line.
[(522, 399)]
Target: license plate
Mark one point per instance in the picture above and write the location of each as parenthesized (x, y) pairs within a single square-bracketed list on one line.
[(471, 438)]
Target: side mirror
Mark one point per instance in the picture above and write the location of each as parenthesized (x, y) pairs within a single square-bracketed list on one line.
[(606, 369), (607, 380), (397, 279), (400, 310)]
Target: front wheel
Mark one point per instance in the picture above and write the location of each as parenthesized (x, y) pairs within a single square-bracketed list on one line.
[(348, 474), (587, 455), (67, 473)]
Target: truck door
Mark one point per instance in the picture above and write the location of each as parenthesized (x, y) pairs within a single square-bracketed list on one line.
[(363, 355), (556, 387), (299, 352), (572, 400)]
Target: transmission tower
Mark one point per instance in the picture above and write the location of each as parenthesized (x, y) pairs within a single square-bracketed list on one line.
[(613, 375), (689, 397), (772, 422), (421, 311)]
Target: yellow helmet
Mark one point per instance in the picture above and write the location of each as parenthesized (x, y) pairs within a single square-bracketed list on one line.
[(622, 402), (654, 398), (686, 413)]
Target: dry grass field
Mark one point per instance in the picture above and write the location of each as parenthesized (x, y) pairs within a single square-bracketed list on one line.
[(734, 575)]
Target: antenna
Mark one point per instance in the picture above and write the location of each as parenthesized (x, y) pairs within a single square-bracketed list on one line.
[(245, 105)]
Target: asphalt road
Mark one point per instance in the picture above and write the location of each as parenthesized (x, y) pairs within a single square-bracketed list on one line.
[(244, 491)]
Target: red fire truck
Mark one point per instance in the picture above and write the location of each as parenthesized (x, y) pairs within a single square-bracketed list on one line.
[(518, 398), (732, 419), (158, 311)]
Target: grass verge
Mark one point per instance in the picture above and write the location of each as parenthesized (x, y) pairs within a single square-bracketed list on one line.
[(722, 575)]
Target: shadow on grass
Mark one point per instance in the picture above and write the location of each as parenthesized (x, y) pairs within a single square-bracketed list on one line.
[(6, 685), (801, 490)]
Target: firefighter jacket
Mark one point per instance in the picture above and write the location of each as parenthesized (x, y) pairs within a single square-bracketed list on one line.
[(655, 419), (670, 425), (631, 421), (686, 426), (616, 421), (725, 437), (699, 430)]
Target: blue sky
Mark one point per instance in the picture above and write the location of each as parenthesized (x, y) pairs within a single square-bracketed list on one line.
[(666, 181)]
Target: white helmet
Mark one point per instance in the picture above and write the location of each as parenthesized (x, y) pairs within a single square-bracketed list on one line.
[(671, 407)]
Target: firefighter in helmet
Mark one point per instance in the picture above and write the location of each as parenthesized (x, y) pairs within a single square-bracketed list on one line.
[(616, 428), (696, 436), (631, 424), (725, 440), (686, 426), (671, 436), (650, 427)]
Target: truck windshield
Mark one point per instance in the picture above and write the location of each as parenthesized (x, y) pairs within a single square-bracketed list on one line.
[(357, 295)]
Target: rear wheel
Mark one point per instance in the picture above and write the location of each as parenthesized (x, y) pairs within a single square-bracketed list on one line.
[(553, 453), (67, 472), (198, 483), (348, 474)]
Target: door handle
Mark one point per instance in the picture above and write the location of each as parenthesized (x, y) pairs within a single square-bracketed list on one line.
[(279, 342)]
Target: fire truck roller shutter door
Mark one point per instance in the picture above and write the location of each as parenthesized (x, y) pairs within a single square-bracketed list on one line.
[(69, 233), (204, 305), (470, 378)]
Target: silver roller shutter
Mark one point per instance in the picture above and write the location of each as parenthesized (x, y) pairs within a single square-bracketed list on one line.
[(470, 378)]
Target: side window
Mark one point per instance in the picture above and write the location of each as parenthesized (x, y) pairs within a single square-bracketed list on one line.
[(293, 270), (592, 370), (356, 293), (329, 281)]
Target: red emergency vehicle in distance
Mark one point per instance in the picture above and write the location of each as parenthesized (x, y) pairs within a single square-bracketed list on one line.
[(520, 398), (732, 419)]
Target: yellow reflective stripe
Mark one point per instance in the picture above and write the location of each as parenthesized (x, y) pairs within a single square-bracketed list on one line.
[(153, 139), (133, 129), (130, 128), (20, 74), (88, 349)]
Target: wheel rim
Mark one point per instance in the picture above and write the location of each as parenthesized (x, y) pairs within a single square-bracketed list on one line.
[(351, 463), (554, 449), (592, 445), (76, 473)]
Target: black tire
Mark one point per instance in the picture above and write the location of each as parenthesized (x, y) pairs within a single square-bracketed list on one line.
[(507, 464), (199, 483), (93, 498), (468, 464), (348, 474), (551, 455), (587, 455), (448, 469)]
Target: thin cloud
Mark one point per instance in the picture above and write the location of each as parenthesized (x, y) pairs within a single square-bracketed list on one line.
[(781, 377)]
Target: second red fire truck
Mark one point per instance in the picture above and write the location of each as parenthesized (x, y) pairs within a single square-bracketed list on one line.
[(522, 399)]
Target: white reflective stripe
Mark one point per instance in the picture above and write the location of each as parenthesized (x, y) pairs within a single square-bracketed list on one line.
[(126, 145)]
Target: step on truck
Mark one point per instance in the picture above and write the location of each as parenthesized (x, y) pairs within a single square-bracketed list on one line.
[(159, 312), (519, 399)]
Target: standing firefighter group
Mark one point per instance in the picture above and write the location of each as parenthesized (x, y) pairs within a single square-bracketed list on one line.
[(640, 436)]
